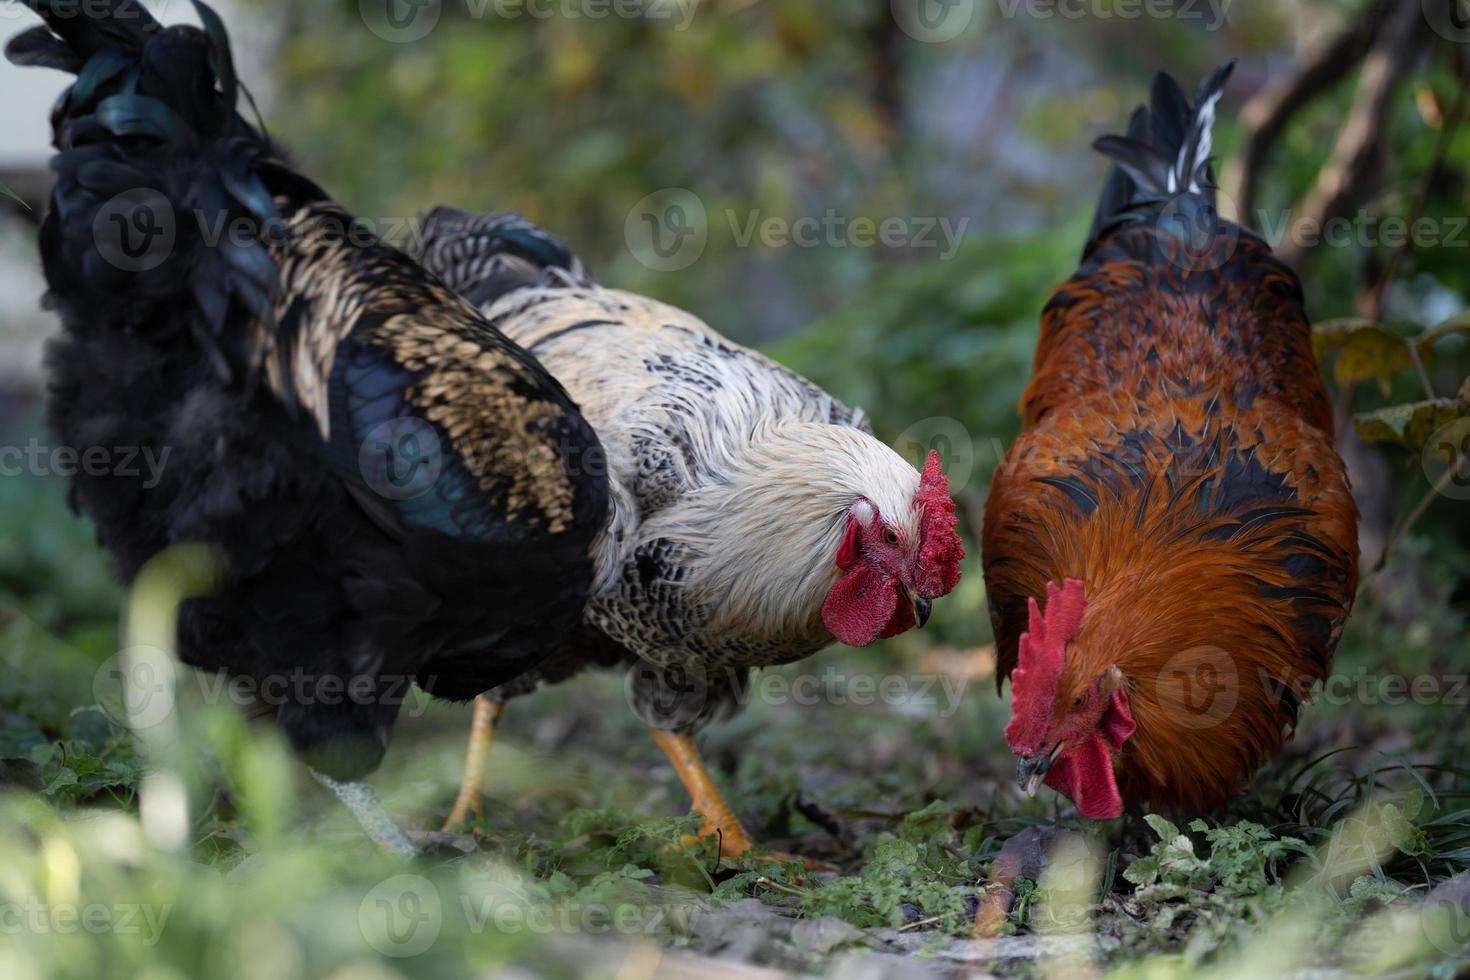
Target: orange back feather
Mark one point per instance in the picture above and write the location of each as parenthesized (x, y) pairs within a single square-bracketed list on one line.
[(1178, 460)]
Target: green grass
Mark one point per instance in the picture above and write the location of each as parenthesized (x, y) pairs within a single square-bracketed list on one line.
[(267, 876)]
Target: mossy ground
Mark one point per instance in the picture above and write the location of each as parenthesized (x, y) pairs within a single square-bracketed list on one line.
[(577, 865)]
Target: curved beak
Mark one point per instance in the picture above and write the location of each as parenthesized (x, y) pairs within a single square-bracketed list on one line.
[(922, 607), (1032, 769)]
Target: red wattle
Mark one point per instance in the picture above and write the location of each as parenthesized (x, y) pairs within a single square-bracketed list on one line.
[(1084, 772), (901, 621), (1118, 719), (860, 607)]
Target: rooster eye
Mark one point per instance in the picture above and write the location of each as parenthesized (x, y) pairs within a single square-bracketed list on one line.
[(891, 536), (1077, 701)]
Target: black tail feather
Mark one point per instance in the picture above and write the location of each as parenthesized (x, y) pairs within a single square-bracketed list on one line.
[(1165, 152), (39, 48), (97, 25), (484, 256), (149, 138)]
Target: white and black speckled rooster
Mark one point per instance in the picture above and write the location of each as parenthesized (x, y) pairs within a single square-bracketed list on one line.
[(283, 355), (754, 517)]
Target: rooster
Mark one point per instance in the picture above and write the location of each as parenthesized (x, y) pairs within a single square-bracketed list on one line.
[(754, 518), (398, 491), (1170, 546)]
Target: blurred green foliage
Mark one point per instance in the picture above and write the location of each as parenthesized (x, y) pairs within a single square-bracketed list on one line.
[(759, 107)]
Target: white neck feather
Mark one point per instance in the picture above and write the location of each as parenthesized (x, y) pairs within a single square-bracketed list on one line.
[(769, 535)]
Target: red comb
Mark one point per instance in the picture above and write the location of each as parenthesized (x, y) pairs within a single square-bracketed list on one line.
[(1039, 664), (940, 549)]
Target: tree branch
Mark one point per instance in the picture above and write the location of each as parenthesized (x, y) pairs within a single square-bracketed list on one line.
[(1371, 304), (1265, 116), (1345, 176)]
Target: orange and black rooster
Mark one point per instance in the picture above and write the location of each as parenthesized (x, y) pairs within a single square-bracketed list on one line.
[(1170, 547), (400, 494)]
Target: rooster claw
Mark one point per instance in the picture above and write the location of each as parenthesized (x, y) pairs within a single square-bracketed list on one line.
[(739, 847), (809, 865), (1023, 856)]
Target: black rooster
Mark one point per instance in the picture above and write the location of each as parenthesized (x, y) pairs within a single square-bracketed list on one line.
[(398, 491)]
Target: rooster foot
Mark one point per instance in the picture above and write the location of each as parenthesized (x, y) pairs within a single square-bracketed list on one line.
[(736, 845), (1026, 855), (360, 799), (719, 819), (470, 801)]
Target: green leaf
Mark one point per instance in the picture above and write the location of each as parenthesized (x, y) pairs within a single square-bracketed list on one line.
[(7, 192), (1180, 851), (1364, 350), (63, 779), (1397, 826), (1413, 803), (1166, 830), (1459, 323), (1410, 425), (1143, 871)]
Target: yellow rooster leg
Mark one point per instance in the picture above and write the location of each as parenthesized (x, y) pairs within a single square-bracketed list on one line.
[(472, 784), (705, 797)]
